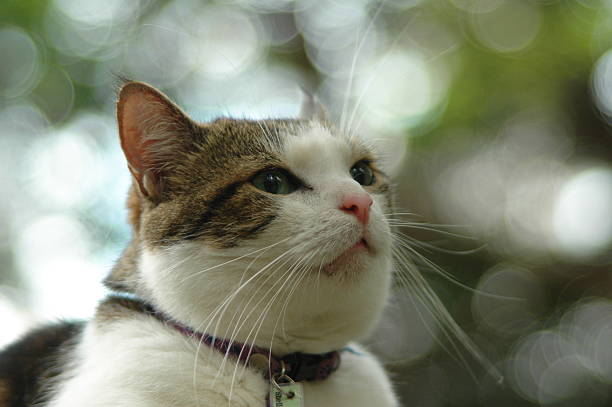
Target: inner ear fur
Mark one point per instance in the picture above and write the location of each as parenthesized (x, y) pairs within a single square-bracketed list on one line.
[(153, 132)]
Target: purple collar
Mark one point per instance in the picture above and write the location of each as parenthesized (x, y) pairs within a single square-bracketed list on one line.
[(300, 367)]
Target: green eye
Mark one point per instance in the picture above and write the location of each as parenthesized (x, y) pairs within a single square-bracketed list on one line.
[(362, 173), (275, 181)]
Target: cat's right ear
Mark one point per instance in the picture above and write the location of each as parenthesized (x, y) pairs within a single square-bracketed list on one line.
[(152, 130)]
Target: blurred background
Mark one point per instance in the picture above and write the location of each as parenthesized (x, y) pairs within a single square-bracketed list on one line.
[(494, 115)]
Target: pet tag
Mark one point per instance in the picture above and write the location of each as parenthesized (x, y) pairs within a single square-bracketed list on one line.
[(286, 394)]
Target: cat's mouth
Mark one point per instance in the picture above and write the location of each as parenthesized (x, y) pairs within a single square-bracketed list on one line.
[(348, 259), (361, 244)]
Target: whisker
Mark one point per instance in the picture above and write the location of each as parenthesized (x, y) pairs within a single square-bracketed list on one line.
[(428, 246), (354, 63), (449, 277), (235, 259), (237, 328), (244, 318), (221, 307), (300, 267), (430, 228), (244, 307), (261, 319), (303, 272), (297, 264), (412, 293), (378, 65), (418, 285)]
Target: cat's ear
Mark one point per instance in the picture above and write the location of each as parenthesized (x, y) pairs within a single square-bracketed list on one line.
[(311, 108), (152, 130)]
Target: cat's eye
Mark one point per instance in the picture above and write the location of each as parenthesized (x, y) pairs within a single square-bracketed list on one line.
[(275, 181), (363, 173)]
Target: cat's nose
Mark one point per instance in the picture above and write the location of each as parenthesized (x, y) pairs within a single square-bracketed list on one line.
[(358, 205)]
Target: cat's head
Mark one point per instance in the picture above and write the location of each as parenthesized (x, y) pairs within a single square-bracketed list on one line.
[(272, 232)]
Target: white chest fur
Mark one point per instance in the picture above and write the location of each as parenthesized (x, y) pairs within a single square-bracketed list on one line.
[(139, 362)]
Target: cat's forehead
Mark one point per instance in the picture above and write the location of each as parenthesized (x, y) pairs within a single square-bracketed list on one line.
[(295, 142)]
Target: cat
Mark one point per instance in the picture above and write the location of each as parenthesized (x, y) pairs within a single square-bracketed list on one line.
[(261, 251)]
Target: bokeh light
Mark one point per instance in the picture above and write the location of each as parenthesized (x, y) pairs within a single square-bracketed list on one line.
[(396, 90), (63, 258), (78, 170), (510, 300), (602, 83), (583, 213), (506, 26), (20, 68), (569, 364)]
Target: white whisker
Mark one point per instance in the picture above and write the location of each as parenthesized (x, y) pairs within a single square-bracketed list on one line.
[(373, 76), (349, 85), (261, 318), (418, 285), (263, 249)]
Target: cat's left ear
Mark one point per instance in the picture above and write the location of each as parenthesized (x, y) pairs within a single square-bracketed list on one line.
[(153, 131), (311, 108)]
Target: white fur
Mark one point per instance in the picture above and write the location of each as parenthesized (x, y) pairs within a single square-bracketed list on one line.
[(278, 291)]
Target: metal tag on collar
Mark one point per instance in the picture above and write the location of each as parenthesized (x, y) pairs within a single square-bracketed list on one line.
[(284, 391)]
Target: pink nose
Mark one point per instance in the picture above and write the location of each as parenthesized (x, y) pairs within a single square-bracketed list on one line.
[(358, 205)]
